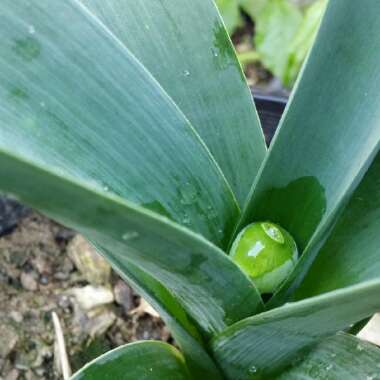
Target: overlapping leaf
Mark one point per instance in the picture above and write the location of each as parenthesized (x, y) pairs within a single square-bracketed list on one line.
[(143, 361), (186, 47), (83, 105), (351, 254), (264, 344), (340, 357), (328, 136), (83, 127)]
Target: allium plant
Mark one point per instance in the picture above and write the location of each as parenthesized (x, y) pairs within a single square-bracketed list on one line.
[(131, 122)]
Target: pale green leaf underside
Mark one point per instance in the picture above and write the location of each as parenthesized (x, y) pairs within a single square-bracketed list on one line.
[(328, 136), (268, 342), (137, 361), (352, 253), (186, 47), (342, 357), (73, 98)]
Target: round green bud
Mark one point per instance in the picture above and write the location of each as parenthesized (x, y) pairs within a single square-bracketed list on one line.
[(266, 253)]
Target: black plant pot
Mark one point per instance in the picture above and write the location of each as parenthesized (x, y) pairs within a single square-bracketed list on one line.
[(270, 109)]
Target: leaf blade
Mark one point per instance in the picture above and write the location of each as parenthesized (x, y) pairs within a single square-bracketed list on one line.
[(142, 360), (305, 188), (340, 357), (83, 104), (205, 87), (268, 342), (205, 281), (350, 255)]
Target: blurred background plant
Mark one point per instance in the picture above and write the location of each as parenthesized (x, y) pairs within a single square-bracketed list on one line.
[(274, 34)]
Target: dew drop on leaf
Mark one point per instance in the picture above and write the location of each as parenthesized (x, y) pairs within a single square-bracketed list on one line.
[(186, 73), (31, 29), (329, 367), (188, 194), (130, 235)]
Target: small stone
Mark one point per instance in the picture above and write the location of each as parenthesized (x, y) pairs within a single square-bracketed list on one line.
[(8, 339), (90, 297), (89, 263), (28, 281), (124, 295), (145, 308), (64, 302), (16, 316), (13, 375)]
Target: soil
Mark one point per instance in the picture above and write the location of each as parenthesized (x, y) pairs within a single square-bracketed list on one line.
[(37, 277)]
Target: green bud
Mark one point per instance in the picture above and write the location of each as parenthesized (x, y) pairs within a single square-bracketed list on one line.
[(266, 253)]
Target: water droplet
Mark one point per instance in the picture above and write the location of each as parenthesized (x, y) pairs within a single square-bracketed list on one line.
[(106, 188), (359, 347), (188, 194), (42, 104), (211, 213), (130, 235), (329, 367), (370, 377), (147, 27), (252, 370), (186, 221), (215, 53), (333, 355), (31, 29), (186, 73)]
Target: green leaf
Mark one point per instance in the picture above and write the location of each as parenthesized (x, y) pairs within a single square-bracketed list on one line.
[(303, 40), (351, 254), (209, 286), (142, 360), (340, 357), (276, 26), (184, 330), (186, 47), (75, 99), (230, 12), (328, 136), (258, 346), (252, 7)]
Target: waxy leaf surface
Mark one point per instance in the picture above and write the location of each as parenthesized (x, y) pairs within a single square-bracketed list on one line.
[(185, 46), (340, 357), (328, 136), (260, 346), (351, 254), (137, 361), (74, 98)]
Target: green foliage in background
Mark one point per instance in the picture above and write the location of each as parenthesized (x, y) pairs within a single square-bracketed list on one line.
[(118, 120), (284, 32)]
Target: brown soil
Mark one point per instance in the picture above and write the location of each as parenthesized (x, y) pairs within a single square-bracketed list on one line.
[(36, 278)]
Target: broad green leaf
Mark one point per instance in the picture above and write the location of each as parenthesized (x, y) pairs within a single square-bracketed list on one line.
[(258, 346), (208, 285), (351, 254), (185, 46), (184, 330), (276, 26), (137, 361), (73, 98), (229, 9), (340, 357), (328, 136)]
